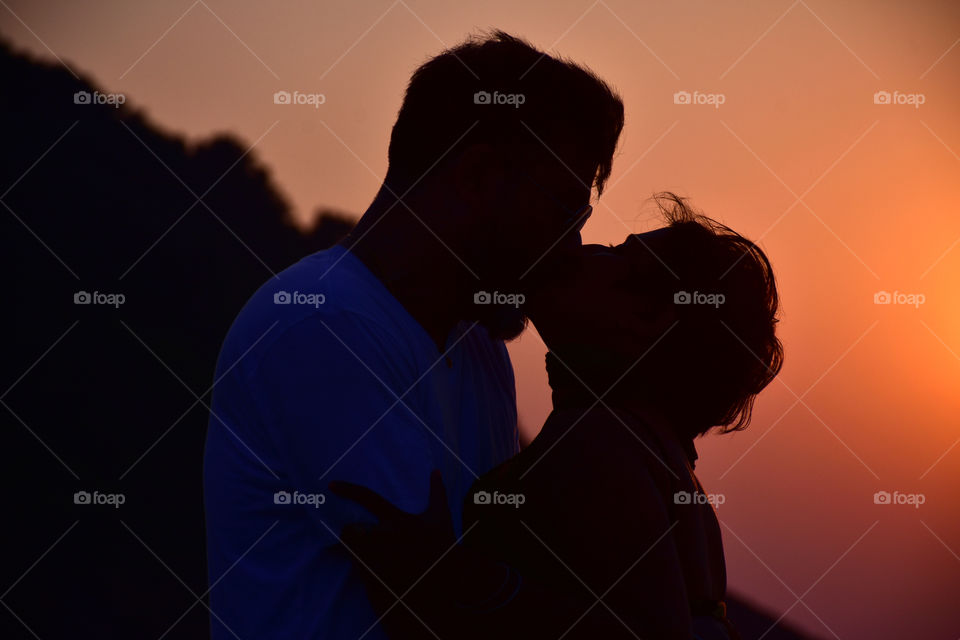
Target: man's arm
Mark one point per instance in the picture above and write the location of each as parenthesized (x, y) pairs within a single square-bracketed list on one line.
[(327, 391)]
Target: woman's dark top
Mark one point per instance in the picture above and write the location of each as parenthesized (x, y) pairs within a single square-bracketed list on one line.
[(604, 504)]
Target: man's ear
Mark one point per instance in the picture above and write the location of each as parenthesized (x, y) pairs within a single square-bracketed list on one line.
[(479, 176)]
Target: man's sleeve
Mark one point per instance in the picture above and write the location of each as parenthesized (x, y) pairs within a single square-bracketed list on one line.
[(333, 396)]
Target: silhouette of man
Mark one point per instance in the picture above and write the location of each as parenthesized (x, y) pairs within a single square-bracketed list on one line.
[(382, 358)]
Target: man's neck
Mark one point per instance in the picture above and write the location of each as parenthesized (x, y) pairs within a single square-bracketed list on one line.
[(422, 279)]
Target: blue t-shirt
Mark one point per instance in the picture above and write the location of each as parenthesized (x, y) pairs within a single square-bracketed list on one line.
[(325, 376)]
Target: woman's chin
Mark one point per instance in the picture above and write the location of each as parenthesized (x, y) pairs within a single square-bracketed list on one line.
[(546, 329), (556, 329)]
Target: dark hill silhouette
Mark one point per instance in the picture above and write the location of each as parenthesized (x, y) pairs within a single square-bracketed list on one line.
[(94, 202)]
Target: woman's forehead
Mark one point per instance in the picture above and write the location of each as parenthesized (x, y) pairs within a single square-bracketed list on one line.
[(648, 236)]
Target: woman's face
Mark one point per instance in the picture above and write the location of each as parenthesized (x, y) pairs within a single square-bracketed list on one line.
[(599, 303)]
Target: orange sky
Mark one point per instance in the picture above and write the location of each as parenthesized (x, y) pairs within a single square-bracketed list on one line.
[(846, 196)]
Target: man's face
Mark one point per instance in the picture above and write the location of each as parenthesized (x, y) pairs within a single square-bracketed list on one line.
[(530, 236), (537, 233)]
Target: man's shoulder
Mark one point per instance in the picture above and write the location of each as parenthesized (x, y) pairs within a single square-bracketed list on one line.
[(329, 289)]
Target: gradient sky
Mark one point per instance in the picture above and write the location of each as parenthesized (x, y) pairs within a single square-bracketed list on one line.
[(846, 196)]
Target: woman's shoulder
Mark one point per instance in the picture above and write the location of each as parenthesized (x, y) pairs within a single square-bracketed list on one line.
[(598, 445), (613, 429)]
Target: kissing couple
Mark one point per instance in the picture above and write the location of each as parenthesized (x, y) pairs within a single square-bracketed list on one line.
[(363, 474)]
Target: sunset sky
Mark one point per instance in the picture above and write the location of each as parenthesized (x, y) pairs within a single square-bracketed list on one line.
[(849, 195)]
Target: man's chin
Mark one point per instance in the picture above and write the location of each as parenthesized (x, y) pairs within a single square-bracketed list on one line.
[(502, 322)]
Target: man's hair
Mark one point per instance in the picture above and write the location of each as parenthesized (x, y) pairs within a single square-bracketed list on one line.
[(500, 90), (707, 370)]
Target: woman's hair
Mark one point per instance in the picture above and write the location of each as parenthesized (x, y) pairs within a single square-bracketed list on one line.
[(723, 350)]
